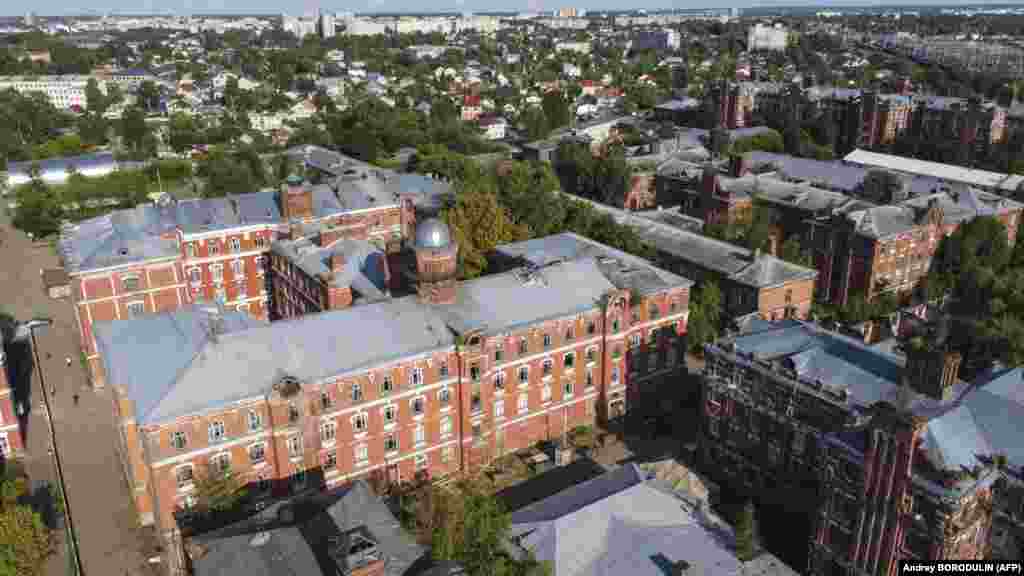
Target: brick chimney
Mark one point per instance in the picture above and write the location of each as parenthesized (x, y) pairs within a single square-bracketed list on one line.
[(931, 371), (296, 199)]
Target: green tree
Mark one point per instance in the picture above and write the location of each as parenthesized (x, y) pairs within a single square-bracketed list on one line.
[(478, 223), (183, 133), (25, 541), (705, 316), (556, 109), (745, 533), (149, 95), (95, 99), (218, 491), (223, 175), (133, 128), (793, 251)]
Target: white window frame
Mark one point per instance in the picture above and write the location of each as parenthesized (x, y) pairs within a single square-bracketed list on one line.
[(213, 247), (262, 447), (499, 408), (217, 462), (635, 340), (416, 377), (124, 282), (391, 439), (216, 432), (444, 397), (360, 417), (523, 373), (136, 308), (217, 272), (446, 426), (422, 406), (235, 244), (523, 403), (237, 268), (419, 435), (547, 368), (188, 485), (255, 421), (198, 279), (356, 390), (328, 432), (260, 242), (361, 453), (545, 393), (331, 459), (393, 410), (295, 446), (387, 384)]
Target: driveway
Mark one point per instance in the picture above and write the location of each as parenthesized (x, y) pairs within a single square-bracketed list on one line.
[(110, 540)]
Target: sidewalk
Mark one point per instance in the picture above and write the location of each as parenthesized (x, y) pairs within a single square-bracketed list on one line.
[(109, 538)]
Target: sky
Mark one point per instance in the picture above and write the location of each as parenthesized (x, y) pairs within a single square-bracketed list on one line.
[(70, 7)]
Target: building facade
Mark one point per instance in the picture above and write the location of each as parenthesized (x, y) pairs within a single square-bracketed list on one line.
[(64, 92), (422, 386), (859, 446)]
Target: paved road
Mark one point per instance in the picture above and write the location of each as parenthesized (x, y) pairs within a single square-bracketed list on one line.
[(110, 541)]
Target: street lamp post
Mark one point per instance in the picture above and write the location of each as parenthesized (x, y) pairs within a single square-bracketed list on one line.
[(31, 326)]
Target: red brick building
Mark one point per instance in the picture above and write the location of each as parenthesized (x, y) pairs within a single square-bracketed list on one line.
[(12, 444), (160, 257), (427, 385)]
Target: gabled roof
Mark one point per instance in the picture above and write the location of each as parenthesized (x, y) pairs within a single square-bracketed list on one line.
[(299, 536)]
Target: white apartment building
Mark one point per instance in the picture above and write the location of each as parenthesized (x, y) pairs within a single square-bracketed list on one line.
[(761, 37), (64, 92), (578, 47)]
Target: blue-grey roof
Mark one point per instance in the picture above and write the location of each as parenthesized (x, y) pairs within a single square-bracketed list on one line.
[(122, 237), (840, 363), (55, 170), (248, 359), (365, 269), (432, 233), (625, 271), (985, 422), (267, 545), (620, 523), (144, 355)]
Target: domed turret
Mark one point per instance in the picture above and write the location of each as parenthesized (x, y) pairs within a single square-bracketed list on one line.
[(436, 262), (432, 233)]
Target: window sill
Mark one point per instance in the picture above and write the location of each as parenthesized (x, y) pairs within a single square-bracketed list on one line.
[(360, 435), (295, 459), (390, 426), (362, 463), (328, 443), (547, 377), (391, 454), (499, 417)]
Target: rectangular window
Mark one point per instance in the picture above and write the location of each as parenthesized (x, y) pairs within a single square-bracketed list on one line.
[(190, 250), (130, 283), (446, 454), (221, 463), (195, 275), (569, 360), (386, 385), (236, 244), (293, 413), (257, 453), (442, 370), (568, 388), (255, 421), (217, 271), (419, 434), (418, 405), (478, 433), (357, 392), (446, 426), (184, 476), (359, 422), (545, 394), (524, 375), (589, 381), (260, 242), (570, 334), (547, 341), (328, 432), (524, 403), (391, 443), (474, 373), (547, 367), (591, 328), (326, 402), (615, 375), (213, 248), (422, 462), (362, 453), (295, 446), (444, 396), (416, 377), (136, 308), (524, 346), (591, 355), (634, 341), (216, 431), (179, 440), (499, 355), (499, 381), (499, 408), (331, 460), (390, 414)]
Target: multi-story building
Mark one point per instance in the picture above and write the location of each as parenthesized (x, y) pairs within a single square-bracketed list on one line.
[(761, 37), (869, 456), (864, 241), (427, 385), (64, 92), (12, 443), (665, 39), (159, 257)]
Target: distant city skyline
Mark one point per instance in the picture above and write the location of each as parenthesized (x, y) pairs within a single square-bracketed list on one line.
[(204, 7)]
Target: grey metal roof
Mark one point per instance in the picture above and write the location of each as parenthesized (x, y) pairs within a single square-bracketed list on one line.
[(121, 237), (365, 268), (946, 172), (144, 355), (268, 545), (56, 169), (621, 269), (620, 523), (839, 363), (985, 422), (166, 363)]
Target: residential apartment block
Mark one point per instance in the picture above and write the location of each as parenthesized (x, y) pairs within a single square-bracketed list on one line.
[(12, 443), (163, 256), (876, 457), (64, 92), (425, 385)]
